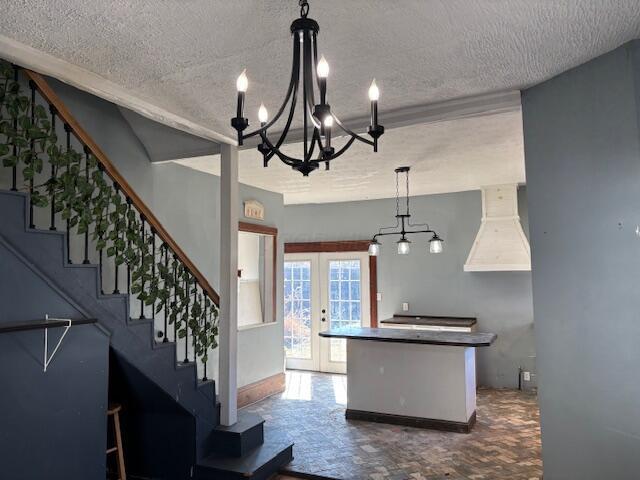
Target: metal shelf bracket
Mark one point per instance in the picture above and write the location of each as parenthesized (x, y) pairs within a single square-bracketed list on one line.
[(47, 359)]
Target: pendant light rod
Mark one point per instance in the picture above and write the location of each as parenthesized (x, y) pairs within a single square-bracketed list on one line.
[(318, 119)]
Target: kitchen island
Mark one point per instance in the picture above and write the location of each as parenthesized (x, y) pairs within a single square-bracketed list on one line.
[(419, 378)]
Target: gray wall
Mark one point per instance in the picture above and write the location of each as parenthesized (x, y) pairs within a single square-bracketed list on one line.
[(53, 424), (583, 172), (187, 203), (436, 284)]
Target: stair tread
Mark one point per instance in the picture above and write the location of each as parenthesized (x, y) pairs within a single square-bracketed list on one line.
[(246, 421), (275, 443)]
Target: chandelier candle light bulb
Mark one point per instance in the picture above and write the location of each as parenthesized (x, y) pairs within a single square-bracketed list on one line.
[(263, 115)]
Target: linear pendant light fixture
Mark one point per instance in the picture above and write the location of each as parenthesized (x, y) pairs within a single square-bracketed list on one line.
[(316, 117), (402, 223)]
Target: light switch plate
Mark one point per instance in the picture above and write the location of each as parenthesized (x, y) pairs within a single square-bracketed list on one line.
[(379, 296), (526, 376), (405, 307)]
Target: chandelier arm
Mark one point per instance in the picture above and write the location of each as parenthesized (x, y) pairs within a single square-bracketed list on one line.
[(312, 147), (341, 151), (293, 85), (276, 151), (292, 110), (350, 132), (308, 71)]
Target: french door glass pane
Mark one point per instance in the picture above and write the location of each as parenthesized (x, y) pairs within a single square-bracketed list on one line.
[(297, 309), (344, 302)]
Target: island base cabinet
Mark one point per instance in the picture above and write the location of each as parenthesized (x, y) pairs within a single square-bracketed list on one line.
[(424, 386)]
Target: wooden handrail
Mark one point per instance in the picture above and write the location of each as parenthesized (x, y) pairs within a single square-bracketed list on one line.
[(63, 112)]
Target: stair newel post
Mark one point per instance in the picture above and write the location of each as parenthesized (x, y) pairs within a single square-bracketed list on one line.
[(128, 245), (87, 153), (116, 280), (166, 299), (186, 324), (153, 270), (52, 226), (32, 156), (142, 254), (14, 170), (67, 129), (204, 309)]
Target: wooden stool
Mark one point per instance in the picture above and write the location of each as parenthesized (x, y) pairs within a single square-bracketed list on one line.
[(114, 411)]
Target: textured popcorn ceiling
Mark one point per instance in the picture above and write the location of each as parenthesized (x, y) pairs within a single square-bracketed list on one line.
[(184, 55), (448, 156)]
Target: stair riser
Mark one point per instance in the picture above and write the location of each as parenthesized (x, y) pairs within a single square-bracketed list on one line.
[(263, 473), (239, 444)]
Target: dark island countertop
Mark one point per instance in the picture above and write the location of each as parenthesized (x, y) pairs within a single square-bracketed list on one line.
[(396, 335), (431, 320)]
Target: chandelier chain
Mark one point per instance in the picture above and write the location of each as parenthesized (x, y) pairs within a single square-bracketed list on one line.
[(304, 8)]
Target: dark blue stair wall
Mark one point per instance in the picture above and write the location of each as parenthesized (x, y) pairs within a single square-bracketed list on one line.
[(53, 424), (157, 432)]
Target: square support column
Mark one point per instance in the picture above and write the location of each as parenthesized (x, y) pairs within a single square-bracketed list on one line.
[(228, 365)]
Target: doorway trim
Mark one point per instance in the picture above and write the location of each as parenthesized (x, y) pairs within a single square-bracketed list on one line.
[(345, 246), (273, 232)]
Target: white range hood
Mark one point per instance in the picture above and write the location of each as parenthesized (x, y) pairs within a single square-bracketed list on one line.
[(501, 244)]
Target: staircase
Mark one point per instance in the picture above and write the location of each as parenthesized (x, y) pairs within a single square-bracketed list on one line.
[(157, 280)]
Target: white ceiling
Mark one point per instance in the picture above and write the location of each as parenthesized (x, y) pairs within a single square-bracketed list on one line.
[(176, 61), (447, 156), (184, 56)]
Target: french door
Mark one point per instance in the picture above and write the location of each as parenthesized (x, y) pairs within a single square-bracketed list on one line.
[(323, 291)]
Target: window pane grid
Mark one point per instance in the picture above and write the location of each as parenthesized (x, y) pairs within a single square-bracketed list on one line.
[(297, 308), (344, 302)]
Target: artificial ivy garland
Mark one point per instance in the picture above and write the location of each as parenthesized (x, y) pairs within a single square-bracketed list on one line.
[(83, 197)]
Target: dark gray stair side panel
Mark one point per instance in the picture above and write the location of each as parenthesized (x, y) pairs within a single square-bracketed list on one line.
[(45, 252)]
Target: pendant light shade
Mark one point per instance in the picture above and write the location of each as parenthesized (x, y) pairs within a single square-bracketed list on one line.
[(404, 246), (374, 248), (435, 244)]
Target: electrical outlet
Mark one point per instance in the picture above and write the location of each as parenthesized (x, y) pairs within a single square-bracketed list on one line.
[(526, 376), (379, 296), (405, 307)]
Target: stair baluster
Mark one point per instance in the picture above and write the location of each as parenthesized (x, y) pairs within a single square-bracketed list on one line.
[(153, 272), (175, 295), (67, 129), (128, 245), (166, 299), (32, 156), (14, 172), (87, 153), (100, 239), (186, 323), (204, 361), (54, 173), (116, 285), (143, 234)]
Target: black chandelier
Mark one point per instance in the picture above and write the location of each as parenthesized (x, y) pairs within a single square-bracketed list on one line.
[(317, 116), (402, 222)]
